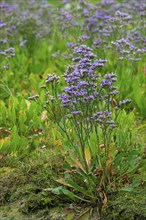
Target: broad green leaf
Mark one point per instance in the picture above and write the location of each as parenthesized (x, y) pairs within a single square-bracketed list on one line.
[(15, 139), (77, 187), (61, 191), (131, 187)]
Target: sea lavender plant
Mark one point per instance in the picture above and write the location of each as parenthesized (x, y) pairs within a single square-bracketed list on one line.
[(107, 22), (127, 50), (85, 113), (88, 98)]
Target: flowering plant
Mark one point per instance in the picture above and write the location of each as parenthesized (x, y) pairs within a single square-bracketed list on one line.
[(86, 112)]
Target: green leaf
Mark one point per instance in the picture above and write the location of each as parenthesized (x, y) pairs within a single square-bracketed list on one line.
[(15, 139), (76, 186), (61, 191), (119, 158), (131, 187), (142, 164)]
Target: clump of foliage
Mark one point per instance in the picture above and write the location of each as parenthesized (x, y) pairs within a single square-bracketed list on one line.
[(98, 161)]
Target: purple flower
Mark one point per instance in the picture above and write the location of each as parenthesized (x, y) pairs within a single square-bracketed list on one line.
[(76, 112), (6, 67), (86, 13), (70, 44), (52, 78), (23, 43), (84, 37), (13, 27), (2, 24), (106, 83), (123, 15), (124, 102), (66, 15), (76, 59), (52, 98), (82, 83), (65, 99), (6, 8), (113, 93), (97, 63), (86, 90), (10, 50), (110, 76), (2, 53), (85, 51), (113, 87), (88, 98), (114, 79), (3, 41), (64, 1), (103, 117), (108, 114)]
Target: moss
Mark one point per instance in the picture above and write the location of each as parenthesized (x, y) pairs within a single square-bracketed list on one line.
[(126, 205), (23, 197), (12, 212), (23, 183), (10, 181), (38, 201), (5, 170)]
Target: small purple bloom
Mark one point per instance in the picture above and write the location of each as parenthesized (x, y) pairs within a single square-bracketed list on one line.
[(124, 102), (10, 50), (76, 112), (2, 24), (113, 93), (2, 53), (6, 67), (23, 43), (106, 83), (70, 44), (52, 78)]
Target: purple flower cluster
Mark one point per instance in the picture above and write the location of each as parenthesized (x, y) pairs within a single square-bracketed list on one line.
[(108, 80), (123, 16), (87, 91), (2, 24), (81, 79), (10, 52), (109, 21), (22, 21), (52, 78), (127, 50), (65, 15), (7, 51), (103, 118), (124, 102), (83, 37), (107, 84), (84, 51), (22, 43), (67, 19), (6, 8)]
